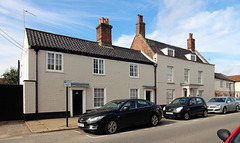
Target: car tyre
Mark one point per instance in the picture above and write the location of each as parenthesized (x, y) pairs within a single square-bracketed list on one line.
[(154, 120), (237, 108), (111, 127), (224, 110), (186, 116), (205, 113)]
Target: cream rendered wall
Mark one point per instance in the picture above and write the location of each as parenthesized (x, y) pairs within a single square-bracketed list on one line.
[(178, 77), (78, 69), (224, 87)]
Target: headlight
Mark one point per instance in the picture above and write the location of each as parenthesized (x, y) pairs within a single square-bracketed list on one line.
[(164, 108), (179, 109), (94, 119), (219, 106)]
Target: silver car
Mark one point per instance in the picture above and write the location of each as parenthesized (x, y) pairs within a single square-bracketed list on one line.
[(222, 105)]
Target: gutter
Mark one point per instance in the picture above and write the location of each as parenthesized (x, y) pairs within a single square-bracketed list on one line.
[(155, 82), (36, 85)]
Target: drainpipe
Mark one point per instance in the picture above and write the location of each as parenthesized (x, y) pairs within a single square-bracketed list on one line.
[(36, 50), (155, 82)]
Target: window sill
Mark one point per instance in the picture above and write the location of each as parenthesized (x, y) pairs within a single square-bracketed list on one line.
[(170, 83)]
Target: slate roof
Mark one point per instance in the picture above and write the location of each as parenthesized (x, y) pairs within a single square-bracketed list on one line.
[(235, 77), (223, 77), (179, 52), (54, 42)]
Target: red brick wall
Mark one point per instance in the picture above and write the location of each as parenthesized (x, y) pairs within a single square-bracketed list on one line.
[(140, 44)]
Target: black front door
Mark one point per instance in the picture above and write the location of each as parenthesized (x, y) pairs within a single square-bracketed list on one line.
[(77, 102), (148, 95)]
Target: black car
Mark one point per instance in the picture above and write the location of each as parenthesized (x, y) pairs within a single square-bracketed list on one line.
[(185, 107), (119, 114)]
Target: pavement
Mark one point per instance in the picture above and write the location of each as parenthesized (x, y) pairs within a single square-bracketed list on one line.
[(18, 128)]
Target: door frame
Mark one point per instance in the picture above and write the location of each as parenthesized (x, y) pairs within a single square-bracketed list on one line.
[(151, 94), (83, 99)]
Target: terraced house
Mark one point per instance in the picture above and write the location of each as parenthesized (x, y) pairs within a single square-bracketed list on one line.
[(100, 72), (180, 71)]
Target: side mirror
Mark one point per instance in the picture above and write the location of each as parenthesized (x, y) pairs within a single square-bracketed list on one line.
[(228, 101), (125, 108), (223, 134)]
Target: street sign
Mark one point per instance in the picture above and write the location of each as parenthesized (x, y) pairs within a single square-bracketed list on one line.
[(67, 83)]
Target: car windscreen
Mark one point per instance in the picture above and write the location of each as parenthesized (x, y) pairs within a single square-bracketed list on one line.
[(113, 105), (217, 100), (180, 101)]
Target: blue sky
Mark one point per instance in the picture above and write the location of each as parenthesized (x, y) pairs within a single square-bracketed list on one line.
[(215, 25)]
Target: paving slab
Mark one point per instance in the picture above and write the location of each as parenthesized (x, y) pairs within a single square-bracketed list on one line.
[(49, 125), (13, 128)]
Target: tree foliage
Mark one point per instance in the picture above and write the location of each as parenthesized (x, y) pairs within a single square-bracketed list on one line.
[(10, 76)]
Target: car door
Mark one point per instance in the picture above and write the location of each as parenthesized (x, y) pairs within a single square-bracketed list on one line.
[(229, 104), (193, 107), (201, 105), (127, 118), (233, 103), (143, 111)]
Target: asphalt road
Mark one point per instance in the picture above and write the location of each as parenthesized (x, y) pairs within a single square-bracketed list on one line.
[(195, 130)]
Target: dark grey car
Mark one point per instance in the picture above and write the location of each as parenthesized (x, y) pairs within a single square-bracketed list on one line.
[(222, 105)]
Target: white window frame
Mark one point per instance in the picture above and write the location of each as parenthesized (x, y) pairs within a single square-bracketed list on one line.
[(221, 83), (98, 68), (133, 66), (200, 77), (104, 96), (167, 51), (136, 90), (191, 57), (170, 75), (54, 62), (186, 75), (170, 96)]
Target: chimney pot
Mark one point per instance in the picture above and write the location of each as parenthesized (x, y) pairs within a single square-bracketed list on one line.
[(191, 42), (104, 32), (140, 26)]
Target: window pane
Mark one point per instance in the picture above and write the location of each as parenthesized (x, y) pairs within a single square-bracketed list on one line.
[(169, 74), (134, 70), (133, 93), (98, 97), (50, 61)]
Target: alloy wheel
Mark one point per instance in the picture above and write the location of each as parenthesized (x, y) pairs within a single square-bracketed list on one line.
[(205, 113), (224, 110), (186, 116), (154, 120), (111, 127)]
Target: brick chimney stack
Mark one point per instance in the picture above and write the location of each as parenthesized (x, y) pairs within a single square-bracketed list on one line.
[(140, 26), (191, 42), (104, 32)]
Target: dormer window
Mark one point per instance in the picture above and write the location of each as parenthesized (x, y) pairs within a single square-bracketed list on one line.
[(169, 52), (191, 57)]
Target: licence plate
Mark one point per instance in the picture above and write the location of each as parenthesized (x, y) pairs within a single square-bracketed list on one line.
[(81, 125), (169, 113)]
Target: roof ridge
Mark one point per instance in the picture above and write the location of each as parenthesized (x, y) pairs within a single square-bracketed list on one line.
[(167, 44), (61, 35)]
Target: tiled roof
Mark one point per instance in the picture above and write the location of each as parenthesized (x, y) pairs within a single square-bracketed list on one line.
[(53, 42), (223, 77), (179, 52), (235, 77)]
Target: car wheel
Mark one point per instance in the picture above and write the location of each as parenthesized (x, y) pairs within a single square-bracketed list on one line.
[(205, 113), (224, 110), (186, 116), (154, 120), (111, 126), (237, 108)]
